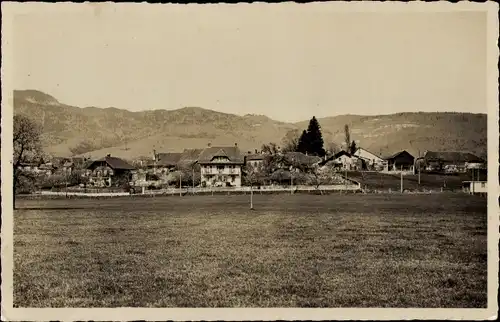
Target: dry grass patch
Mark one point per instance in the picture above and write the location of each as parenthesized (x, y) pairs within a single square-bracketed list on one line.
[(204, 251)]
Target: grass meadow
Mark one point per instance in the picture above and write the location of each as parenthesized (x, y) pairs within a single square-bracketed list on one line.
[(290, 251)]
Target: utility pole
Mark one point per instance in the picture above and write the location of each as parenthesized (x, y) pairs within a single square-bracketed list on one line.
[(401, 178), (472, 183), (251, 196), (66, 170), (180, 184), (419, 175), (193, 180), (345, 178)]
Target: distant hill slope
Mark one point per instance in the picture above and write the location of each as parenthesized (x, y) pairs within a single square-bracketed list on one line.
[(72, 130), (414, 132)]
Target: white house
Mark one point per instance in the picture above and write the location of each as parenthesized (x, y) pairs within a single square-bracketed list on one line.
[(473, 187), (344, 161), (372, 160), (221, 166)]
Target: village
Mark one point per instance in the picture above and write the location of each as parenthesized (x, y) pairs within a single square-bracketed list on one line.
[(228, 168)]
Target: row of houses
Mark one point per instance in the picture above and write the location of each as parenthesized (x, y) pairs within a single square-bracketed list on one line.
[(431, 161), (223, 165)]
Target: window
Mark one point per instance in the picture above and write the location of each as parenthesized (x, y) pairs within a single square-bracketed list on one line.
[(483, 185), (233, 179)]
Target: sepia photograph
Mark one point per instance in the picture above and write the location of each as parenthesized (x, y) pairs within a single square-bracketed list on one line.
[(250, 156)]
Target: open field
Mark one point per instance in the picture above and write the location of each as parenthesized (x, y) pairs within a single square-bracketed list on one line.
[(291, 251), (385, 181)]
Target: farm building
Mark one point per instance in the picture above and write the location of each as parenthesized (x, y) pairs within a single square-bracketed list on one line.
[(163, 163), (401, 161), (451, 161), (372, 161), (110, 171), (221, 166)]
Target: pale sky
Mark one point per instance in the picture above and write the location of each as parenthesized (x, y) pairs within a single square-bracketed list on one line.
[(288, 62)]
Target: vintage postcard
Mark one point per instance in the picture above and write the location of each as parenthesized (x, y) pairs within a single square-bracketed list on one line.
[(318, 161)]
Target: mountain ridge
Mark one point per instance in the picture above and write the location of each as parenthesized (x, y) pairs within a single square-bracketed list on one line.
[(95, 131)]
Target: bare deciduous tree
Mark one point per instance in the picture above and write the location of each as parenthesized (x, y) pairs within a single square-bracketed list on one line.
[(291, 141), (270, 148), (27, 147)]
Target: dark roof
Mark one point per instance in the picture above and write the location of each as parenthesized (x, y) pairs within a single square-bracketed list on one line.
[(301, 158), (114, 163), (451, 156), (168, 159), (258, 156), (232, 153), (398, 154), (190, 155)]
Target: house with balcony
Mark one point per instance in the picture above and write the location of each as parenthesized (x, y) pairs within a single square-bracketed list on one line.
[(109, 171), (221, 166)]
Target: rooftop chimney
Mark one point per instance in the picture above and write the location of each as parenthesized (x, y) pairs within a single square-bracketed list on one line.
[(154, 155), (209, 144), (109, 155), (236, 144)]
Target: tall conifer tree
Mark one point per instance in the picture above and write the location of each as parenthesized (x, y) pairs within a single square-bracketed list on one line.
[(303, 144), (315, 138)]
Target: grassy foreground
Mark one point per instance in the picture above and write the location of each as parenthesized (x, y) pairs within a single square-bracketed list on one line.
[(291, 251)]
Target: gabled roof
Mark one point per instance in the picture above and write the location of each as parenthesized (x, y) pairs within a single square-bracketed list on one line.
[(397, 154), (451, 156), (338, 155), (375, 154), (191, 154), (189, 157), (114, 163), (341, 153), (232, 153), (168, 159), (301, 158)]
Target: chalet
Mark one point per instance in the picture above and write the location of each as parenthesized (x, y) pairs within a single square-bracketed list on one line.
[(371, 160), (451, 161), (110, 171), (164, 162), (221, 166), (401, 161)]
